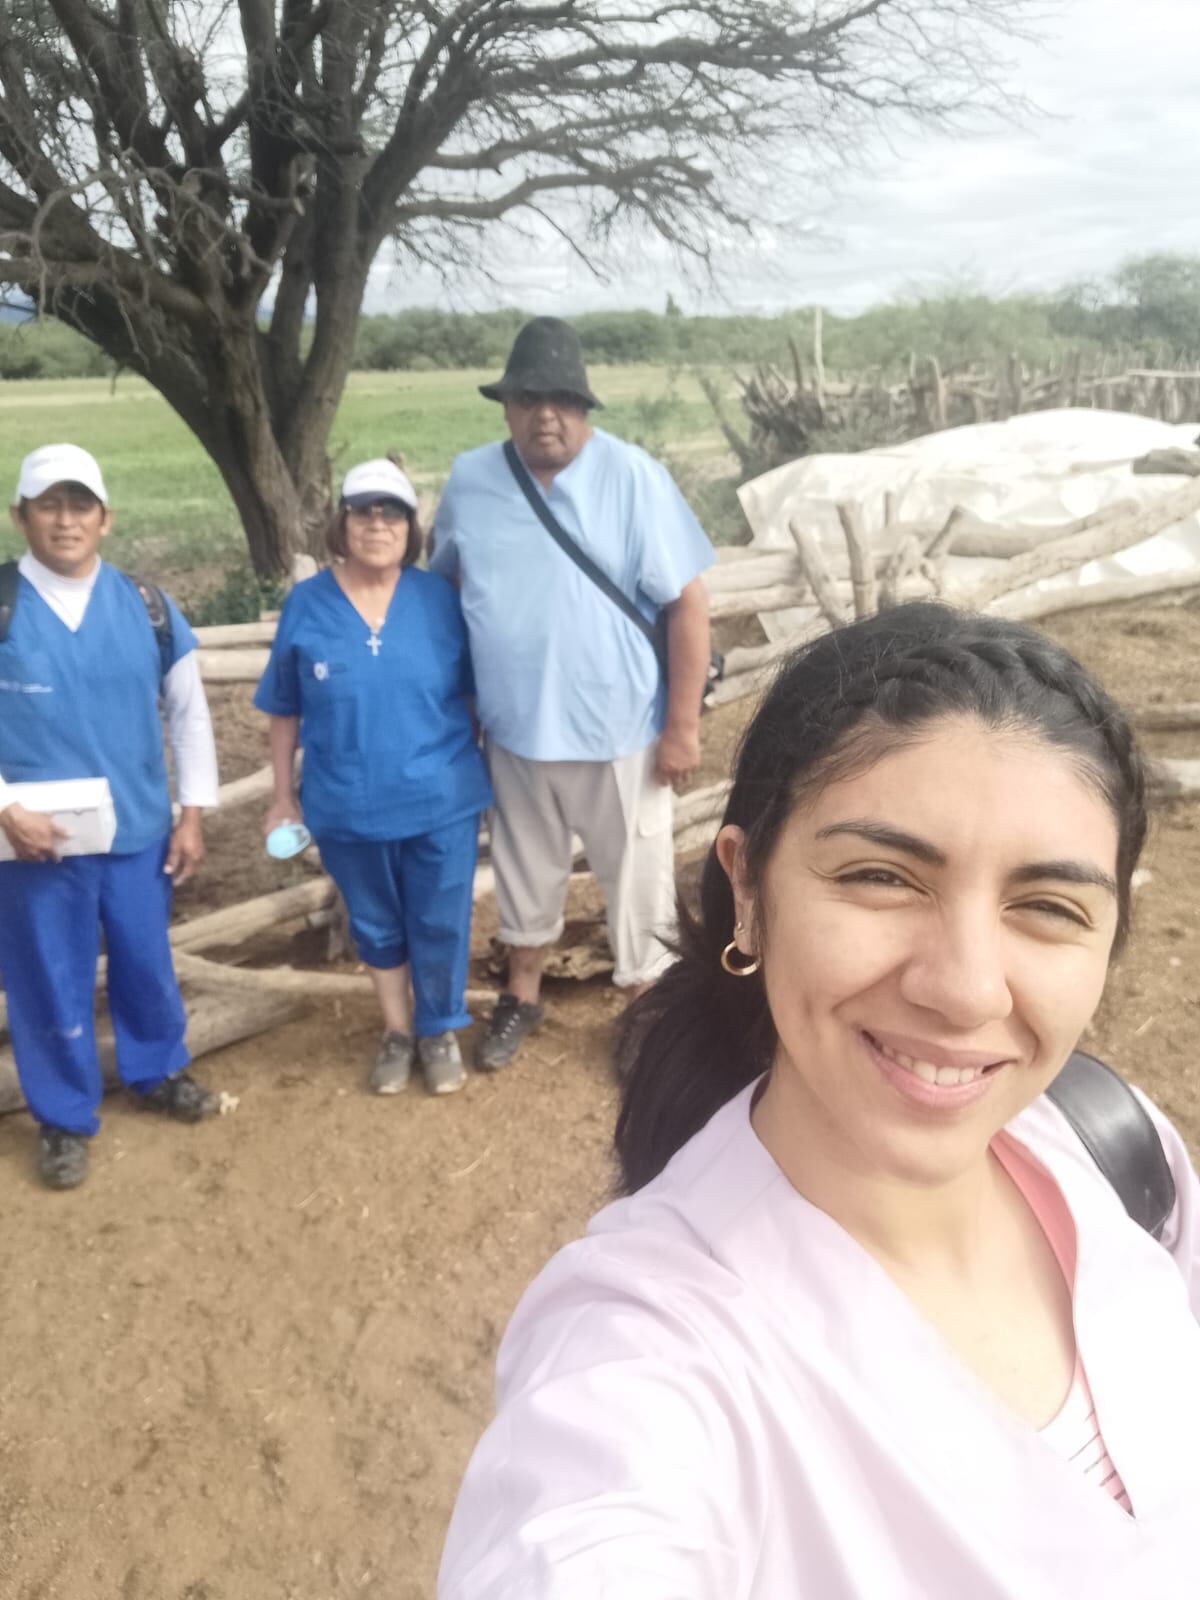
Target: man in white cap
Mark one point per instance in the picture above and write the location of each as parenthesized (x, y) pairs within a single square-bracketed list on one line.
[(589, 681), (86, 656)]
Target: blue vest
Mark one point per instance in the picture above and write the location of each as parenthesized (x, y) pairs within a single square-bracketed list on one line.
[(85, 704)]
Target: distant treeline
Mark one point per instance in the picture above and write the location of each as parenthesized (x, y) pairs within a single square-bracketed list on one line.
[(1148, 310)]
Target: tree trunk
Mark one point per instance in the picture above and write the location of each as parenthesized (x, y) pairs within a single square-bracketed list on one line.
[(242, 442)]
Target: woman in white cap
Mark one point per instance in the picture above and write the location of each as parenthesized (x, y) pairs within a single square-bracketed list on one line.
[(87, 655), (370, 673)]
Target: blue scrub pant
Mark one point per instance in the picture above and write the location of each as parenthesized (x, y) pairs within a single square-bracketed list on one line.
[(51, 914), (410, 902)]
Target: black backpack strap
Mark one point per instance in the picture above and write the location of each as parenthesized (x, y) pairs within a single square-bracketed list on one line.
[(9, 579), (1119, 1136), (655, 633), (155, 602)]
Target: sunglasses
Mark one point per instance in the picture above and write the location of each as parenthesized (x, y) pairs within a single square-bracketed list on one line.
[(386, 510)]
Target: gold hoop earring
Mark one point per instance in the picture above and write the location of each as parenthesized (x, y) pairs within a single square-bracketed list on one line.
[(743, 969)]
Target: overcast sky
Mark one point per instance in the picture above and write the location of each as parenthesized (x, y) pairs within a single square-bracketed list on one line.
[(1114, 171)]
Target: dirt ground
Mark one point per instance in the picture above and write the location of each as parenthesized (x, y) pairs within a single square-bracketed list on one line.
[(250, 1359)]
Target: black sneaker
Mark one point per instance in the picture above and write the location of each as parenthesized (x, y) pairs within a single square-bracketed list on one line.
[(512, 1022), (181, 1097), (62, 1158)]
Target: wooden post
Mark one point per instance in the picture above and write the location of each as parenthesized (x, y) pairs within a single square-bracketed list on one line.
[(1016, 384), (816, 570), (818, 361), (862, 561), (938, 388)]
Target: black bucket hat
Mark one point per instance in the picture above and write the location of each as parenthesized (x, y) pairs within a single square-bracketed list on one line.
[(546, 358)]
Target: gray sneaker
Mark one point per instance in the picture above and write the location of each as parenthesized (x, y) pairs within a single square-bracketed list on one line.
[(393, 1064), (442, 1063), (62, 1158), (512, 1022)]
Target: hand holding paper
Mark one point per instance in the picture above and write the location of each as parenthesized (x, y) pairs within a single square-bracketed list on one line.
[(31, 835)]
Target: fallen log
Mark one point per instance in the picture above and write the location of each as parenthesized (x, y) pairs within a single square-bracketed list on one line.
[(699, 805), (1174, 780), (752, 658), (1164, 719), (234, 924), (228, 634), (286, 980), (215, 1020), (232, 666), (749, 602), (755, 681), (1172, 461), (254, 786), (757, 571), (1024, 606), (1116, 529)]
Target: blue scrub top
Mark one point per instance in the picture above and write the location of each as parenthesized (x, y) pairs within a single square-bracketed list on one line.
[(85, 704), (563, 675), (389, 749)]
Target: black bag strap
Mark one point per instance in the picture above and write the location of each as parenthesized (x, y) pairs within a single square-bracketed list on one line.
[(586, 565), (151, 596), (9, 577), (1119, 1136), (155, 602)]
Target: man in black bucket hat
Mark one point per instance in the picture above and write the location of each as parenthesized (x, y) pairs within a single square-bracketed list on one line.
[(546, 358), (579, 563)]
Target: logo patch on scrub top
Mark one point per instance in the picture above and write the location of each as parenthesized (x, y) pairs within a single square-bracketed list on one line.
[(320, 670)]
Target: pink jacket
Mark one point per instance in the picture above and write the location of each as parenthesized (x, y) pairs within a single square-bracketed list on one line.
[(718, 1395)]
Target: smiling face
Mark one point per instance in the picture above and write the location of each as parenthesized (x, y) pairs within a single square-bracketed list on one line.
[(63, 527), (376, 535), (935, 934), (549, 430)]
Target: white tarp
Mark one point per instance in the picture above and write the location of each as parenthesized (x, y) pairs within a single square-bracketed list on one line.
[(1044, 468)]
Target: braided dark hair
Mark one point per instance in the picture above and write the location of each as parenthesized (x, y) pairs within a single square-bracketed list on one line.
[(697, 1037)]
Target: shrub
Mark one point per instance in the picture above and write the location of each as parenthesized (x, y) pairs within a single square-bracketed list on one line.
[(241, 597)]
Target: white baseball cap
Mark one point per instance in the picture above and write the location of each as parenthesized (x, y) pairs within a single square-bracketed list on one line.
[(370, 481), (59, 463)]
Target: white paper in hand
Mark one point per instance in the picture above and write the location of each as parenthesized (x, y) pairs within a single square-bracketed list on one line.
[(82, 808)]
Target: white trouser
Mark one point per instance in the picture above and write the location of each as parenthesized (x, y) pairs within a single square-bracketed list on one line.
[(623, 816)]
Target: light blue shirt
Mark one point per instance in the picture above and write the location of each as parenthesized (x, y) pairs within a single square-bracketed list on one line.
[(560, 673)]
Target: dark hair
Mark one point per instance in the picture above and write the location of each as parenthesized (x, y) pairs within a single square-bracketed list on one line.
[(697, 1036), (335, 537)]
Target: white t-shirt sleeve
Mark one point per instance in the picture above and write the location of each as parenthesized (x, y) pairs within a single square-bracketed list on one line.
[(190, 733), (612, 1467)]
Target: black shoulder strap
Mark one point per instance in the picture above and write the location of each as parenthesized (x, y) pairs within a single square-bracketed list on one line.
[(155, 603), (586, 565), (9, 578), (1118, 1135)]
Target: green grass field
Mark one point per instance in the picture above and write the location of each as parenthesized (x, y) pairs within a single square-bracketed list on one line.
[(176, 523)]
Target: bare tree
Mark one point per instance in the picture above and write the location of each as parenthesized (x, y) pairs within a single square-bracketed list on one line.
[(201, 188)]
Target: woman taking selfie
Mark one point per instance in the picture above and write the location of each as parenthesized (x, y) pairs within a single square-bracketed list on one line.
[(870, 1323), (369, 671)]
